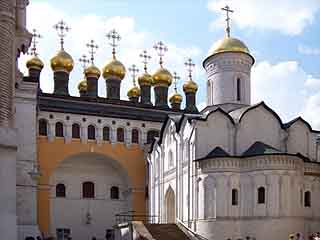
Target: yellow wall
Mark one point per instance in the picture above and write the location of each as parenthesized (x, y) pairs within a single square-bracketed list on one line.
[(50, 154)]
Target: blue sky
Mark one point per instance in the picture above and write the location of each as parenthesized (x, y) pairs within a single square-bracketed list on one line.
[(283, 36)]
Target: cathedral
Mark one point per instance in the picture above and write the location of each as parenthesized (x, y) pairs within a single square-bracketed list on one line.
[(78, 167)]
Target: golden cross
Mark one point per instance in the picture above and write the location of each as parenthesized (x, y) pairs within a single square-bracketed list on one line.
[(145, 58), (227, 10), (92, 49), (134, 70), (62, 29), (83, 59), (114, 37), (175, 78), (160, 49), (35, 36), (189, 65)]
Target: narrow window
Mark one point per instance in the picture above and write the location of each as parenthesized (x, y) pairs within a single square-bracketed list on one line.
[(307, 199), (120, 135), (91, 132), (43, 127), (59, 129), (261, 195), (88, 190), (234, 197), (114, 192), (238, 89), (135, 136), (151, 135), (63, 233), (170, 160), (75, 130), (60, 190), (106, 134)]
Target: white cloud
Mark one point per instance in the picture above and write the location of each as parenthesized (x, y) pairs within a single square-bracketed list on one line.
[(313, 83), (287, 16), (85, 28), (303, 49), (311, 110)]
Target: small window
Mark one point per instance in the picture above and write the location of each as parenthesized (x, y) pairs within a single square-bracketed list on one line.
[(60, 190), (135, 136), (235, 197), (88, 190), (59, 129), (114, 192), (261, 195), (43, 127), (151, 135), (106, 134), (63, 234), (91, 132), (75, 130), (307, 199), (120, 135), (238, 89)]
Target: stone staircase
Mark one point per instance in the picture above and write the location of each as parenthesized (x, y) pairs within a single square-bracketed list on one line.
[(166, 232)]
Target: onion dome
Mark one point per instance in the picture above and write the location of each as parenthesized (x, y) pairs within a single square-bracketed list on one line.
[(190, 86), (229, 44), (145, 79), (82, 86), (162, 77), (114, 69), (62, 61), (92, 70), (134, 92), (35, 63), (175, 98)]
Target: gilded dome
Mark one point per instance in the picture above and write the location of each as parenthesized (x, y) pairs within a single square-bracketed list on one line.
[(92, 70), (82, 86), (35, 63), (229, 44), (134, 92), (175, 98), (62, 61), (162, 77), (145, 79), (190, 86), (114, 69)]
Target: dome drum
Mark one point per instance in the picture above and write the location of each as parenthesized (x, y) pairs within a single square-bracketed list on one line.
[(61, 82)]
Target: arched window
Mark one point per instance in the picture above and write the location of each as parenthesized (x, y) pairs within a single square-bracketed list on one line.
[(114, 192), (238, 89), (75, 130), (91, 132), (88, 190), (59, 129), (120, 135), (135, 136), (151, 135), (307, 199), (261, 195), (234, 197), (43, 127), (106, 134), (60, 190)]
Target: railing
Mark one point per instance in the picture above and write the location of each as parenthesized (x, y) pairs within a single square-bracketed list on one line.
[(133, 216), (189, 230)]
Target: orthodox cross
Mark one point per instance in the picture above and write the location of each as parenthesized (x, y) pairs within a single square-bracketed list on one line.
[(176, 78), (189, 65), (62, 29), (35, 36), (227, 10), (83, 59), (92, 49), (145, 58), (114, 38), (160, 49), (134, 71)]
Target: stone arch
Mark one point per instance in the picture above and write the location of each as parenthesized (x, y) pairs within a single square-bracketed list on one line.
[(170, 205)]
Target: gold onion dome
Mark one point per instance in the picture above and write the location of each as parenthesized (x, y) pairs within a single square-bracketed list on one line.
[(82, 86), (92, 70), (62, 61), (35, 63), (190, 86), (229, 44), (162, 77), (114, 69), (134, 92), (176, 98), (145, 79)]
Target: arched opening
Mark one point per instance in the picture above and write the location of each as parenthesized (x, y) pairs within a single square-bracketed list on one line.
[(135, 136), (120, 135), (151, 135), (91, 132), (170, 206), (234, 197), (60, 190), (261, 195), (75, 130), (114, 192), (43, 127), (59, 129), (307, 199), (238, 89), (88, 190), (106, 134)]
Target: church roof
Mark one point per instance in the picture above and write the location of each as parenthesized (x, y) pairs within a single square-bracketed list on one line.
[(260, 148), (217, 152)]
